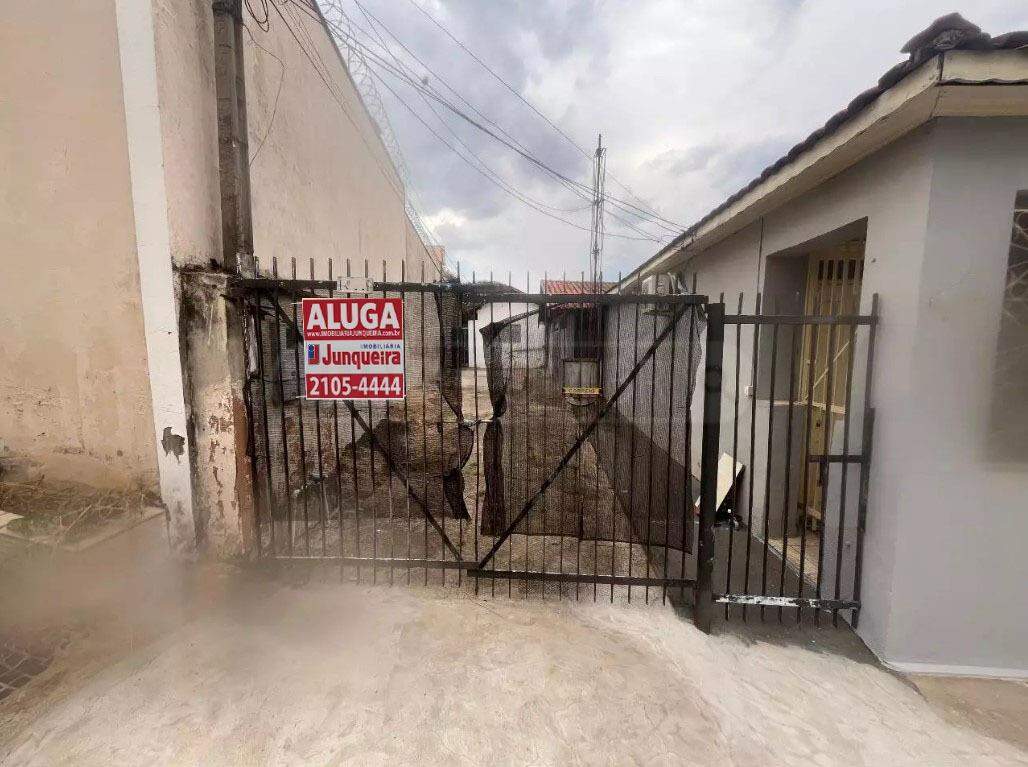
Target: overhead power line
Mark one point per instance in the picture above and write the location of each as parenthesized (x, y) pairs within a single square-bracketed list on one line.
[(400, 72), (315, 15), (649, 209), (374, 21), (413, 83), (328, 85)]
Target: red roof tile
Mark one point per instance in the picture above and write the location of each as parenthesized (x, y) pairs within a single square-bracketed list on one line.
[(575, 287)]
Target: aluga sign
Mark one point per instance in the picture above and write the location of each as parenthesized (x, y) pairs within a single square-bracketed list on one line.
[(354, 348)]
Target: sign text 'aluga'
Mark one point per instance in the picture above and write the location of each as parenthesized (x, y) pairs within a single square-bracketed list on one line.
[(354, 348)]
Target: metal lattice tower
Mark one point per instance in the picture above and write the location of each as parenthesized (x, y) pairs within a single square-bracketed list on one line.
[(596, 236)]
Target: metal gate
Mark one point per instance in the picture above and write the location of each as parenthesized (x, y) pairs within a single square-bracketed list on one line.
[(549, 443)]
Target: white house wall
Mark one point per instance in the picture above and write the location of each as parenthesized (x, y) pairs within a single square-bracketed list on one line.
[(891, 190), (960, 571), (943, 579)]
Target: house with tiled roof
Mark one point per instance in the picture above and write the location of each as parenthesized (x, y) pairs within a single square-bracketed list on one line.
[(917, 193)]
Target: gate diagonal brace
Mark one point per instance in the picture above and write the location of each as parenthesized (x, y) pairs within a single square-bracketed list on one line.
[(388, 458), (530, 503), (403, 478)]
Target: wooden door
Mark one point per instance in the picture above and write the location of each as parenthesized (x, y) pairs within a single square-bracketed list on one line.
[(833, 288)]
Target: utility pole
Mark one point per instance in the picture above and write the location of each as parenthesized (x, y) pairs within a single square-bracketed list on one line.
[(596, 236), (233, 151), (216, 334)]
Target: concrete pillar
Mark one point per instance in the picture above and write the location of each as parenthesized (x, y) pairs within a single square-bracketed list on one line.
[(212, 333)]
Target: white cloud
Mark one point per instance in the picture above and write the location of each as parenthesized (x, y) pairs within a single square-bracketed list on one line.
[(693, 97)]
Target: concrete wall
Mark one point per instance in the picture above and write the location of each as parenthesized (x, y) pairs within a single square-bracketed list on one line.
[(960, 570), (322, 183), (322, 187), (74, 394), (532, 332), (942, 581)]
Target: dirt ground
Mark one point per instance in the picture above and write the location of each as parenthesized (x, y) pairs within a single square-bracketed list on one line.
[(219, 666), (162, 663)]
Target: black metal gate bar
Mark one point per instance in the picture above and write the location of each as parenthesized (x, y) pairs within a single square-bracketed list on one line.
[(267, 301), (814, 340), (703, 607), (866, 443), (580, 441), (579, 578), (825, 590), (758, 600), (788, 464)]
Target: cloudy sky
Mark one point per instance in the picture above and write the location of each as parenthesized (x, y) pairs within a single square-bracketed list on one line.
[(693, 98)]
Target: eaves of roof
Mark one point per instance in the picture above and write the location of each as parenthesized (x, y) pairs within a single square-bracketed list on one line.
[(950, 54)]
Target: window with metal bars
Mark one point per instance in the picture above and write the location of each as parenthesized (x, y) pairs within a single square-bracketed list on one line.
[(1007, 439)]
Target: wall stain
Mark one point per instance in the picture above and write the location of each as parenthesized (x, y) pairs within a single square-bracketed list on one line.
[(173, 443)]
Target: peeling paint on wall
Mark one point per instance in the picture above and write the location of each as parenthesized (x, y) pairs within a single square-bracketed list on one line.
[(172, 443)]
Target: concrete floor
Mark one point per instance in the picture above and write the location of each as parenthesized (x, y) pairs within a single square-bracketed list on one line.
[(227, 668)]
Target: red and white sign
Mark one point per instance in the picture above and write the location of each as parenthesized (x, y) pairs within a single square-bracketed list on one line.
[(353, 348)]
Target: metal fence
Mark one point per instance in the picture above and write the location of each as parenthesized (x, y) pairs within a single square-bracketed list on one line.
[(579, 461), (795, 436)]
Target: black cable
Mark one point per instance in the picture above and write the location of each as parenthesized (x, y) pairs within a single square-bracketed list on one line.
[(265, 22), (335, 96), (307, 9), (498, 179), (417, 86), (511, 191), (526, 102), (373, 20), (514, 146), (278, 92)]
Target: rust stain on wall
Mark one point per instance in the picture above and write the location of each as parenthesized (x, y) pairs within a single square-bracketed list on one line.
[(244, 480)]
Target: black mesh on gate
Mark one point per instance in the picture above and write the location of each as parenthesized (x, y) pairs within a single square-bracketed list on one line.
[(326, 471), (450, 322), (629, 481)]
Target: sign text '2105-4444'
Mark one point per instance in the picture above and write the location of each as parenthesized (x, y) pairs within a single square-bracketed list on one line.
[(354, 348)]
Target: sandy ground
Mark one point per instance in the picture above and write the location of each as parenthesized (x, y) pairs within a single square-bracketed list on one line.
[(164, 664), (262, 671)]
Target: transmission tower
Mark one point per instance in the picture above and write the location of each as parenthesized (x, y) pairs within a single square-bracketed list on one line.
[(596, 235)]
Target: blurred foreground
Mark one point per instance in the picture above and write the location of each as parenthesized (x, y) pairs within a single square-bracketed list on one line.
[(158, 663)]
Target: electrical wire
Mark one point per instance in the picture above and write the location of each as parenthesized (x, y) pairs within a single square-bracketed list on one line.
[(335, 97), (373, 20), (652, 212), (497, 179), (509, 191), (265, 21), (411, 82), (323, 76), (515, 146), (278, 92), (410, 194), (420, 88)]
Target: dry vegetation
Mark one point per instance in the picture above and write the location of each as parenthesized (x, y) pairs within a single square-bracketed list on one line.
[(58, 512)]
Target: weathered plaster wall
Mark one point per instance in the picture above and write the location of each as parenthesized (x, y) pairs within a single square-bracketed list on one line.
[(74, 393), (184, 37), (322, 183), (322, 187)]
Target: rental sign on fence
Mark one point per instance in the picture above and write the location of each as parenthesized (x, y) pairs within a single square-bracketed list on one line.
[(354, 348)]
